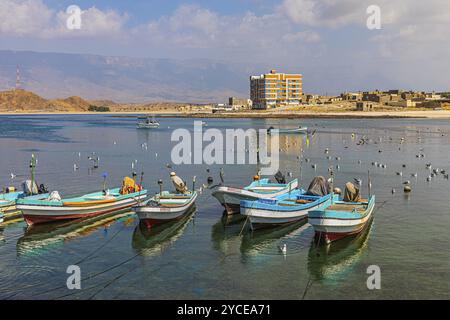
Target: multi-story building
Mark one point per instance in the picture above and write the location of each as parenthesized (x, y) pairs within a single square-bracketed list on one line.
[(274, 89)]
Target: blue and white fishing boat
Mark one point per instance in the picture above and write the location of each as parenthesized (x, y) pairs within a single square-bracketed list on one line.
[(287, 208), (230, 197), (342, 218)]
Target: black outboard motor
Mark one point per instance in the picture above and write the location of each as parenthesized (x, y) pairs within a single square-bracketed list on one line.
[(42, 189), (280, 177)]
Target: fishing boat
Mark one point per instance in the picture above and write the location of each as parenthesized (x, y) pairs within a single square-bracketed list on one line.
[(287, 208), (300, 129), (342, 218), (42, 208), (8, 207), (230, 197), (165, 206), (148, 123)]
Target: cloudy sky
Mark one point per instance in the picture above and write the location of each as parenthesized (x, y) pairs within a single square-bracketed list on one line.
[(326, 40)]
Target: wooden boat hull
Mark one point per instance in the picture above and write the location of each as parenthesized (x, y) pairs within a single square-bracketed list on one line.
[(331, 227), (152, 215), (230, 198), (36, 214), (263, 215)]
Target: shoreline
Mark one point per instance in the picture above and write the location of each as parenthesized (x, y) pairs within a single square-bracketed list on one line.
[(432, 114)]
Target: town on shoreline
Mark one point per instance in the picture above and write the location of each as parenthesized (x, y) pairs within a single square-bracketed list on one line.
[(271, 95)]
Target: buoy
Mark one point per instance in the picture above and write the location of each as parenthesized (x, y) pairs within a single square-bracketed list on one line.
[(407, 189)]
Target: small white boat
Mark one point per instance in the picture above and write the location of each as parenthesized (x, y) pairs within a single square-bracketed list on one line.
[(288, 130), (148, 124), (230, 197), (164, 207)]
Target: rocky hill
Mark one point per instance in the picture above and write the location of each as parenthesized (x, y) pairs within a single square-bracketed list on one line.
[(26, 101)]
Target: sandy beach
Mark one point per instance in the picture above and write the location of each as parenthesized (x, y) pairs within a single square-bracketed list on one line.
[(432, 114)]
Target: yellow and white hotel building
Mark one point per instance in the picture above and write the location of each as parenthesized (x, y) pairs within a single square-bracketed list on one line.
[(273, 89)]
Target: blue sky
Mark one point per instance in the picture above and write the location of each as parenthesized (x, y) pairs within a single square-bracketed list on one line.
[(328, 41)]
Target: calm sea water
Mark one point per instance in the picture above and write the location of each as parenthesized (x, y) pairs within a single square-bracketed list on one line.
[(206, 255)]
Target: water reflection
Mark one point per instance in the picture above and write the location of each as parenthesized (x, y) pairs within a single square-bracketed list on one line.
[(151, 241), (225, 233), (268, 241), (336, 260), (38, 238)]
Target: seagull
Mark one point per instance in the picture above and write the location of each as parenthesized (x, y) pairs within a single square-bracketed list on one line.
[(289, 174), (283, 248), (12, 176), (399, 173), (75, 167), (393, 191), (406, 182), (221, 174), (429, 178), (414, 175), (314, 166), (358, 181)]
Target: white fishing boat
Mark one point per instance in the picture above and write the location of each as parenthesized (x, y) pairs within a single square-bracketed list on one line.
[(287, 208), (283, 210), (288, 130), (43, 208), (148, 123), (164, 207), (230, 197)]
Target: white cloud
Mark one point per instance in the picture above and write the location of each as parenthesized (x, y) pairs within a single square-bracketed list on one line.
[(32, 18), (24, 17)]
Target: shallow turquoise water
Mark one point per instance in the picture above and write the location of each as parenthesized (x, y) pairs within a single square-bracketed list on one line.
[(205, 255)]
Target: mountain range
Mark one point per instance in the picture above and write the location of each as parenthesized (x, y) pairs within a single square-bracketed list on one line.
[(124, 79)]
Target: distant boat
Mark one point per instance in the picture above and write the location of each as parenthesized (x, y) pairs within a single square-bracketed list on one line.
[(41, 209), (230, 197), (148, 123), (165, 207), (300, 129), (287, 208), (341, 219)]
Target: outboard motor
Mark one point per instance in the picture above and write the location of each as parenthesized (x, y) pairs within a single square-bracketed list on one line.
[(280, 177), (42, 189)]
